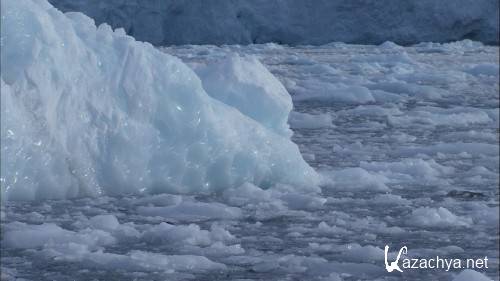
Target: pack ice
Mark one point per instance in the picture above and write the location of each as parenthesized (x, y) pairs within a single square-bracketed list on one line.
[(87, 111)]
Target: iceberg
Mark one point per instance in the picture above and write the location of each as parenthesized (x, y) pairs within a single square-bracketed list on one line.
[(90, 111)]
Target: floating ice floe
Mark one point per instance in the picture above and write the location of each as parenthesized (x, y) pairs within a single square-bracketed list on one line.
[(86, 244), (469, 274), (299, 120), (437, 217)]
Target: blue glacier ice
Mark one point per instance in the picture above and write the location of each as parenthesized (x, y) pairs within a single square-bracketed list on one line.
[(295, 22)]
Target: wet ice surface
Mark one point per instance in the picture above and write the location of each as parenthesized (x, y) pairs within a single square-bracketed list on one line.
[(407, 140)]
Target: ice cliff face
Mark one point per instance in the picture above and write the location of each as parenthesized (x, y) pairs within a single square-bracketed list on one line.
[(165, 22), (90, 111)]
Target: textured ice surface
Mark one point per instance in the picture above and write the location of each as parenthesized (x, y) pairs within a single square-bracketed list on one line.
[(91, 111), (164, 22), (244, 83)]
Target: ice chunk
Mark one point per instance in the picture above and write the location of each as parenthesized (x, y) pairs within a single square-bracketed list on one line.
[(469, 274), (411, 89), (191, 234), (160, 200), (389, 199), (488, 69), (332, 277), (186, 234), (320, 90), (437, 217), (308, 121), (409, 169), (279, 196), (244, 83), (390, 46), (133, 261), (218, 249), (193, 211), (90, 111), (434, 116), (450, 148), (246, 194), (358, 179), (105, 222), (368, 253), (25, 236)]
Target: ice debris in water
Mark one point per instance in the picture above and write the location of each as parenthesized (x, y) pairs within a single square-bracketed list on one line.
[(115, 116)]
